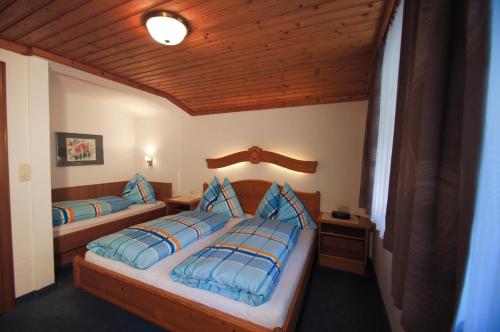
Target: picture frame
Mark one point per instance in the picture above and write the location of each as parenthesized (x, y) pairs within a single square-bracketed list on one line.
[(74, 149)]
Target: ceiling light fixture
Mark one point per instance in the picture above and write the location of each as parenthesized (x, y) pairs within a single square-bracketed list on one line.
[(165, 27)]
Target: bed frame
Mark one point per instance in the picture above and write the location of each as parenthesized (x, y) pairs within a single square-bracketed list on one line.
[(176, 313), (70, 245)]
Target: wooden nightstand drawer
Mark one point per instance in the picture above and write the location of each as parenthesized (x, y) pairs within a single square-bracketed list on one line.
[(181, 203), (344, 244), (343, 247)]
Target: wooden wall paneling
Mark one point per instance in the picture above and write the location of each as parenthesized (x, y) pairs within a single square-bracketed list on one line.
[(267, 87), (128, 30), (242, 99), (286, 75), (38, 18), (71, 38), (15, 10), (243, 34), (245, 11), (88, 191), (258, 31), (211, 71), (277, 58), (307, 100), (7, 295), (67, 20), (262, 63)]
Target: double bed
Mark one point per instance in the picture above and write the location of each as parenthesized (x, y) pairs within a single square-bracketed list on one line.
[(153, 295)]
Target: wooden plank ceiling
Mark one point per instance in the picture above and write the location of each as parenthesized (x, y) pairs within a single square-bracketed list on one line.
[(240, 54)]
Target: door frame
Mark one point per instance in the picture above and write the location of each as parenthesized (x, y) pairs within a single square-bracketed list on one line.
[(7, 292)]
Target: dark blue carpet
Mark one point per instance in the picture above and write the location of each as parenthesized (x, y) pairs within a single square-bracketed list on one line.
[(335, 301)]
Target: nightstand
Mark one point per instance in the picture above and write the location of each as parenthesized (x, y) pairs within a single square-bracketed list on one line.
[(344, 244), (181, 203)]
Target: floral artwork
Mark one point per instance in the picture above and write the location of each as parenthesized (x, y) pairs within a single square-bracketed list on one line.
[(75, 149), (78, 149)]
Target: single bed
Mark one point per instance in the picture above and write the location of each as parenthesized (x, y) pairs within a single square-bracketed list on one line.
[(70, 239), (152, 295)]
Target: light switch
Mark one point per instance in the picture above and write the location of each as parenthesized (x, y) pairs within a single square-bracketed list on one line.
[(24, 172)]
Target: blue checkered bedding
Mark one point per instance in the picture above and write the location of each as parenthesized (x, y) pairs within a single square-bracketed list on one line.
[(70, 211), (244, 264), (143, 245)]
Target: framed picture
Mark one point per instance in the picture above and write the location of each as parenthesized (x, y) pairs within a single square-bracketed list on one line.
[(79, 149)]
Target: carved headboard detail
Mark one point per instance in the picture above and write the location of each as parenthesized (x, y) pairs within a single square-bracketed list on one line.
[(251, 192), (257, 155)]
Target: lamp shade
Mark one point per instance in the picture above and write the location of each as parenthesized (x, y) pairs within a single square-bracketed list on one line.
[(166, 28)]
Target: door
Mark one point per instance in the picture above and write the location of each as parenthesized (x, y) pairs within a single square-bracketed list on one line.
[(6, 262)]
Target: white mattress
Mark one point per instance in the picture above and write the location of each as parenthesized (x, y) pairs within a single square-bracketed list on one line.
[(133, 209), (270, 314)]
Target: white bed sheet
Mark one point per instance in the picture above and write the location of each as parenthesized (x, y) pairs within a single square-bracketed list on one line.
[(270, 314), (88, 223)]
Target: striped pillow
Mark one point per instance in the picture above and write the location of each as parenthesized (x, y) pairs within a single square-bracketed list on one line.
[(292, 210), (268, 207), (227, 203), (139, 191), (209, 196)]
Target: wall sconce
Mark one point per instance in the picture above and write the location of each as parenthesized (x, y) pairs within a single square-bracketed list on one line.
[(149, 160)]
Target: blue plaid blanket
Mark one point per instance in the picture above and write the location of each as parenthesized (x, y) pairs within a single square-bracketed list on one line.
[(69, 211), (143, 245), (244, 264)]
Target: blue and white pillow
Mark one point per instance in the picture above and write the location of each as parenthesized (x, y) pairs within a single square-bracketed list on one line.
[(270, 203), (227, 203), (139, 191), (292, 210), (209, 196)]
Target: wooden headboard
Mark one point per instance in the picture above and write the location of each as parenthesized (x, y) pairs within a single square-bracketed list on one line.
[(251, 192), (163, 190)]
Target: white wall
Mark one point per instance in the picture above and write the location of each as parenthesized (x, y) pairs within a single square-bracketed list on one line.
[(159, 137), (28, 143), (382, 261), (331, 134), (76, 114), (83, 103)]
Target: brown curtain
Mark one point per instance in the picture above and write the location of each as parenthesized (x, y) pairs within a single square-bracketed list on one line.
[(438, 132), (371, 134)]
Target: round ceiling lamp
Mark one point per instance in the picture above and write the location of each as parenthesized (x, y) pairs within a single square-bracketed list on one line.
[(165, 27)]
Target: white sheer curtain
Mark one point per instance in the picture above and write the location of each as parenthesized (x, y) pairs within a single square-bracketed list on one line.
[(479, 308), (388, 92)]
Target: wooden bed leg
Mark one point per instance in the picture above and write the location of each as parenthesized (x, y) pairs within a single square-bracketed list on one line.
[(76, 271)]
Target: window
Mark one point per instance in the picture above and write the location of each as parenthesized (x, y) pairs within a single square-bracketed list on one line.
[(388, 93), (479, 308)]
